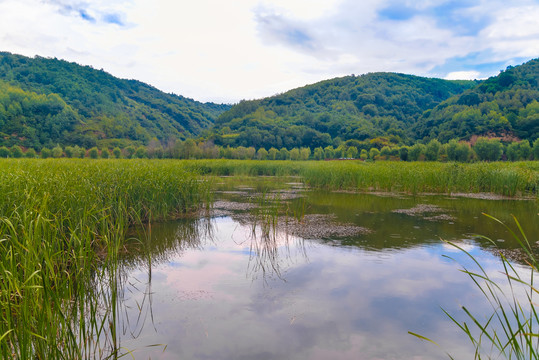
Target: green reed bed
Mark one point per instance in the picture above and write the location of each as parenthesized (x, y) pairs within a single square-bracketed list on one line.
[(510, 179), (62, 227), (499, 178), (246, 167)]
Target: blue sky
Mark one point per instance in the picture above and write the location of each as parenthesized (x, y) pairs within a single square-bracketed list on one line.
[(225, 51)]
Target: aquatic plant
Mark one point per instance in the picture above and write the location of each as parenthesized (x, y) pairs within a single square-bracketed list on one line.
[(509, 179), (511, 329), (63, 224)]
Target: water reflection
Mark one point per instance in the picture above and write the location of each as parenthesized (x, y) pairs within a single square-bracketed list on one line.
[(244, 286), (340, 303), (159, 242), (271, 249)]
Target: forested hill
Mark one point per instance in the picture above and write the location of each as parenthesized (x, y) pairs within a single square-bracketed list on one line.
[(45, 101), (503, 106), (353, 107)]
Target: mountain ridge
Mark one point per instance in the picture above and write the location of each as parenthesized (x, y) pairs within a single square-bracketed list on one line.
[(44, 102), (350, 107)]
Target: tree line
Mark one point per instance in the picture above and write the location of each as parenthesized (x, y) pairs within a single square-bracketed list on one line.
[(483, 149)]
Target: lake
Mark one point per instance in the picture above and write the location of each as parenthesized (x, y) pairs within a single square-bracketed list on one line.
[(276, 271)]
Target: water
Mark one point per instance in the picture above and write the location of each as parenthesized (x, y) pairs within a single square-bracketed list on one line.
[(223, 288)]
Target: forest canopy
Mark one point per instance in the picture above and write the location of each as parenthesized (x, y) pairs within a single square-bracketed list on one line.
[(48, 101)]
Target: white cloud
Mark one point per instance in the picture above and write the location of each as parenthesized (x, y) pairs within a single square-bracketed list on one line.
[(212, 50), (515, 32), (463, 75)]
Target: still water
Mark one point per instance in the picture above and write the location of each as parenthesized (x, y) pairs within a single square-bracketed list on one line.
[(279, 272)]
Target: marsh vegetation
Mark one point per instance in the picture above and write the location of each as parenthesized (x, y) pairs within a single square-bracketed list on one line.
[(88, 246), (63, 227)]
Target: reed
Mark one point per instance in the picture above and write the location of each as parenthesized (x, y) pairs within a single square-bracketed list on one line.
[(503, 178), (63, 225), (511, 329)]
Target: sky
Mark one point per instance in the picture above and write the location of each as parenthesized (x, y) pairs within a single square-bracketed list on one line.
[(225, 51)]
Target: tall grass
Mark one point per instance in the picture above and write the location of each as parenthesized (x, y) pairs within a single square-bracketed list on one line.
[(510, 179), (62, 228)]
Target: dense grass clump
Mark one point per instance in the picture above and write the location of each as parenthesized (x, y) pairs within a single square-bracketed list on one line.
[(63, 225), (510, 179)]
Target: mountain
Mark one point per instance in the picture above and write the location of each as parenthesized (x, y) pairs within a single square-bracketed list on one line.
[(44, 102), (348, 108), (504, 106), (47, 101)]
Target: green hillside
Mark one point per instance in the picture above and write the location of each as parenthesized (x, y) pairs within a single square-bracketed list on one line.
[(353, 107), (44, 102), (48, 101), (505, 106)]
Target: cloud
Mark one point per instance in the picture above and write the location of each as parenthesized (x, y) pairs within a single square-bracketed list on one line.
[(275, 28), (463, 75), (94, 12), (113, 19), (212, 50), (424, 37)]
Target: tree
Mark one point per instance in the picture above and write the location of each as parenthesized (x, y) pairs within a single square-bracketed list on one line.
[(304, 153), (251, 152), (272, 153), (189, 149), (318, 153), (364, 155), (525, 149), (79, 152), (432, 150), (93, 153), (294, 154), (463, 152), (488, 149), (385, 153), (352, 152), (416, 152), (226, 153), (513, 151), (30, 153), (4, 152), (57, 151), (45, 153), (403, 153), (374, 153), (284, 154), (340, 152), (130, 151), (536, 149), (117, 152), (173, 148), (154, 149), (105, 153), (141, 152), (451, 149), (329, 152), (262, 154), (16, 151), (69, 151)]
